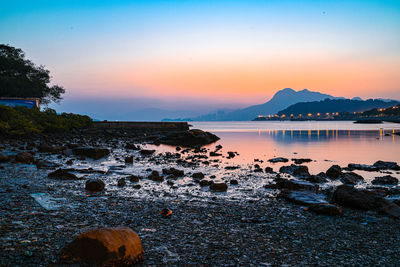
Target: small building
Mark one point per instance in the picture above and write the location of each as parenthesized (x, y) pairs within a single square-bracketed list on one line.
[(20, 101)]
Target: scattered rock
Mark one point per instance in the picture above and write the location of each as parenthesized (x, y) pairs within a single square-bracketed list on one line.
[(334, 172), (63, 174), (364, 200), (276, 160), (215, 154), (134, 178), (190, 138), (296, 185), (362, 167), (4, 158), (218, 186), (104, 247), (95, 185), (295, 170), (319, 178), (147, 152), (44, 164), (269, 170), (301, 161), (351, 178), (204, 182), (231, 155), (155, 176), (132, 146), (387, 165), (234, 182), (173, 172), (129, 159), (198, 175), (305, 198), (24, 157), (91, 152), (326, 209), (386, 180)]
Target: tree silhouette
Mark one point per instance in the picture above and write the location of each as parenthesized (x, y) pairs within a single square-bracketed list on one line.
[(20, 77)]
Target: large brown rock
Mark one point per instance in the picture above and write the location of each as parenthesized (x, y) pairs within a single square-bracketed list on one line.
[(190, 138), (91, 152), (24, 157), (364, 200), (118, 246)]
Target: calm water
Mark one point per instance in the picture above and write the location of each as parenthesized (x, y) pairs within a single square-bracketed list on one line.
[(326, 143)]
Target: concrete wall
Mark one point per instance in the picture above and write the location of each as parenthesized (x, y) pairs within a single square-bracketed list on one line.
[(151, 126)]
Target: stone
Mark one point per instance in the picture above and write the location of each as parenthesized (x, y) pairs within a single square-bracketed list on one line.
[(132, 146), (190, 138), (362, 167), (296, 185), (24, 157), (204, 182), (334, 172), (234, 182), (387, 165), (4, 158), (91, 152), (121, 182), (173, 172), (134, 178), (319, 178), (95, 185), (155, 176), (198, 175), (63, 174), (386, 180), (46, 148), (147, 152), (301, 161), (305, 198), (326, 209), (129, 159), (349, 196), (218, 186), (269, 170), (44, 164), (351, 178), (295, 170), (119, 246), (279, 159)]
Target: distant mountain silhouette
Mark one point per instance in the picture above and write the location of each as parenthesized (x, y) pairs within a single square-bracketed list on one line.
[(336, 105), (279, 101)]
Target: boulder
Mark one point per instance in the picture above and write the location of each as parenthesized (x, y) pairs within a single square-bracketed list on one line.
[(301, 161), (63, 174), (295, 170), (119, 246), (134, 178), (190, 138), (198, 175), (24, 157), (386, 180), (351, 178), (121, 182), (155, 176), (218, 186), (296, 185), (334, 171), (204, 182), (95, 185), (319, 178), (4, 158), (349, 196), (147, 152), (173, 172), (362, 167), (280, 159), (91, 152), (387, 165), (269, 170)]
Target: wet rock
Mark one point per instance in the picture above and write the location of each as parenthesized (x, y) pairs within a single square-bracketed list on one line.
[(326, 209), (218, 186), (198, 175), (63, 174), (173, 172), (257, 168), (69, 162), (351, 178), (279, 159), (296, 185), (4, 158), (215, 154), (137, 186), (386, 180), (362, 167), (319, 178), (301, 161), (334, 172), (231, 155), (204, 182), (190, 138), (155, 176), (134, 178), (104, 247), (295, 170), (91, 152), (121, 182), (46, 148), (129, 159), (232, 167), (147, 152), (387, 165), (95, 185), (305, 198), (349, 196), (269, 170), (24, 157), (132, 146), (44, 164), (234, 182)]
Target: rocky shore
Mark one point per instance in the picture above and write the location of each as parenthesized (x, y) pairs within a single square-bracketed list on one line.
[(56, 187)]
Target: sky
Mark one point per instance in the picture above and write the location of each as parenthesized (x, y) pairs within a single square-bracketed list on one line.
[(203, 55)]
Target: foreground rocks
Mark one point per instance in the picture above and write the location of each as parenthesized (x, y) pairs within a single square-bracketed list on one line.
[(365, 200), (119, 246), (190, 138), (91, 152)]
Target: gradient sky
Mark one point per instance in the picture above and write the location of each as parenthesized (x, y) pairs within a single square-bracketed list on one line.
[(218, 52)]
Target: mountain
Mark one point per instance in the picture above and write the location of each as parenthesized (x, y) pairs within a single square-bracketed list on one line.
[(335, 105), (279, 101)]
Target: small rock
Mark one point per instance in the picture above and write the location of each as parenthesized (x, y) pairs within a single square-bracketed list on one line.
[(279, 159), (24, 157), (96, 185), (334, 172), (351, 178), (129, 159), (121, 182), (219, 186), (63, 174), (198, 175), (386, 180)]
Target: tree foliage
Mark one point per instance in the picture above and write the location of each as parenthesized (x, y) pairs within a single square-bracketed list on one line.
[(20, 77)]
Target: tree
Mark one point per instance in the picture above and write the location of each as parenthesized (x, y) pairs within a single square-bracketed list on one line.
[(20, 77)]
